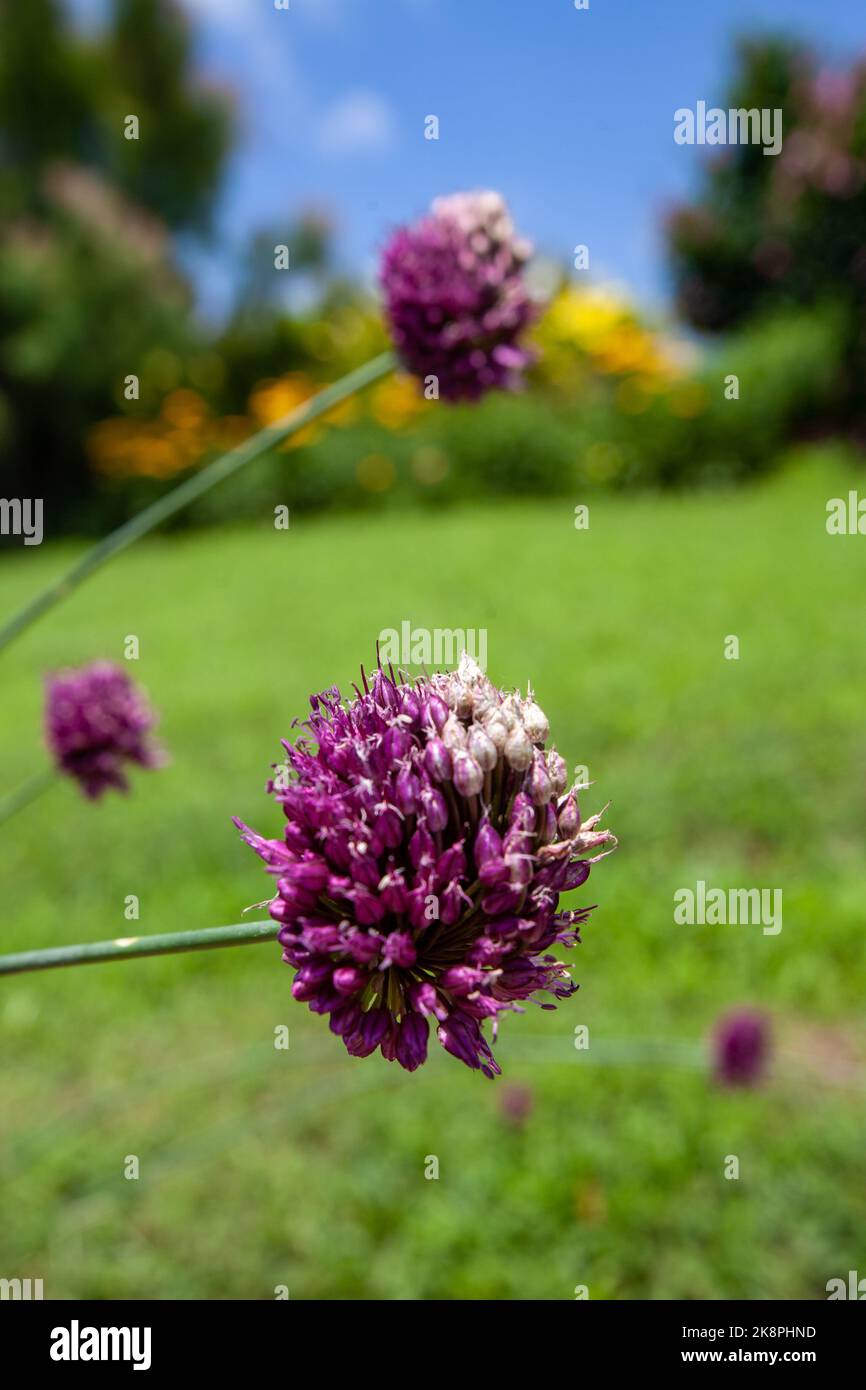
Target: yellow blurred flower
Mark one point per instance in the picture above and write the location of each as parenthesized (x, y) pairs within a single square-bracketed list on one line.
[(270, 401), (185, 409), (597, 328), (396, 401), (122, 448)]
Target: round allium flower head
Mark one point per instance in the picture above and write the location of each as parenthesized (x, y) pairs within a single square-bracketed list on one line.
[(741, 1044), (419, 873), (95, 722), (455, 296)]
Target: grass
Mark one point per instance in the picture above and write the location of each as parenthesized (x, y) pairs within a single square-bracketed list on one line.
[(305, 1168)]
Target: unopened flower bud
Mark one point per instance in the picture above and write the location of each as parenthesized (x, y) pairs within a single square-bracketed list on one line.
[(435, 809), (569, 817), (488, 844), (557, 771), (453, 734), (348, 979), (393, 892), (469, 671), (535, 722), (497, 731), (435, 713), (485, 701), (548, 824), (509, 712), (463, 700), (482, 748), (518, 749), (410, 707), (468, 777), (406, 791), (519, 870), (397, 743), (540, 788), (437, 760)]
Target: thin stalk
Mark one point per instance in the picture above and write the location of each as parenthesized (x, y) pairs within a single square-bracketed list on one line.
[(27, 792), (195, 487), (131, 947)]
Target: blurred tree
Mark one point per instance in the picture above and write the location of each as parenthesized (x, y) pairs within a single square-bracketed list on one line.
[(47, 105), (63, 97), (174, 166), (89, 292), (770, 233)]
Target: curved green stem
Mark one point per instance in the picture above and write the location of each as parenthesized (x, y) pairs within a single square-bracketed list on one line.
[(194, 487), (131, 947), (27, 792)]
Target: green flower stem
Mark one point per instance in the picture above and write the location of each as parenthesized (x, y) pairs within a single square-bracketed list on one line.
[(27, 792), (195, 487), (130, 947)]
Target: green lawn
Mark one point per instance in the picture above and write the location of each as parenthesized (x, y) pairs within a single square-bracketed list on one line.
[(305, 1168)]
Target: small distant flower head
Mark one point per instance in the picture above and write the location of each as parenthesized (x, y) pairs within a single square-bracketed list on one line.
[(96, 722), (516, 1104), (456, 298), (419, 870), (741, 1045)]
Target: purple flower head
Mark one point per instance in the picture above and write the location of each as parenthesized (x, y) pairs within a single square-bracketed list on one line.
[(455, 296), (418, 896), (741, 1044), (96, 721)]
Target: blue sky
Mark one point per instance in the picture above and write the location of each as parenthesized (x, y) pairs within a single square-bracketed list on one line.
[(569, 113)]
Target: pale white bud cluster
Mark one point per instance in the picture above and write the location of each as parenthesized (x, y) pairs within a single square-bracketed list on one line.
[(486, 729), (484, 219), (484, 725)]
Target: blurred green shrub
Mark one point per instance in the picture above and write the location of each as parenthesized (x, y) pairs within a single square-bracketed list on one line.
[(89, 291)]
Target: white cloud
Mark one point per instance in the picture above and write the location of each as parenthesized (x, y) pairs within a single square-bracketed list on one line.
[(361, 122)]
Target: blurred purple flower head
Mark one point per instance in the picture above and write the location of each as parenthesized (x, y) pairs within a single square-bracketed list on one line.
[(95, 722), (741, 1044), (418, 876), (516, 1104), (455, 296)]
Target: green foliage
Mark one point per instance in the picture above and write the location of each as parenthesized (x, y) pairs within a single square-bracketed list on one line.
[(535, 445), (88, 286), (84, 90), (787, 375), (305, 1168), (174, 166), (82, 301)]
